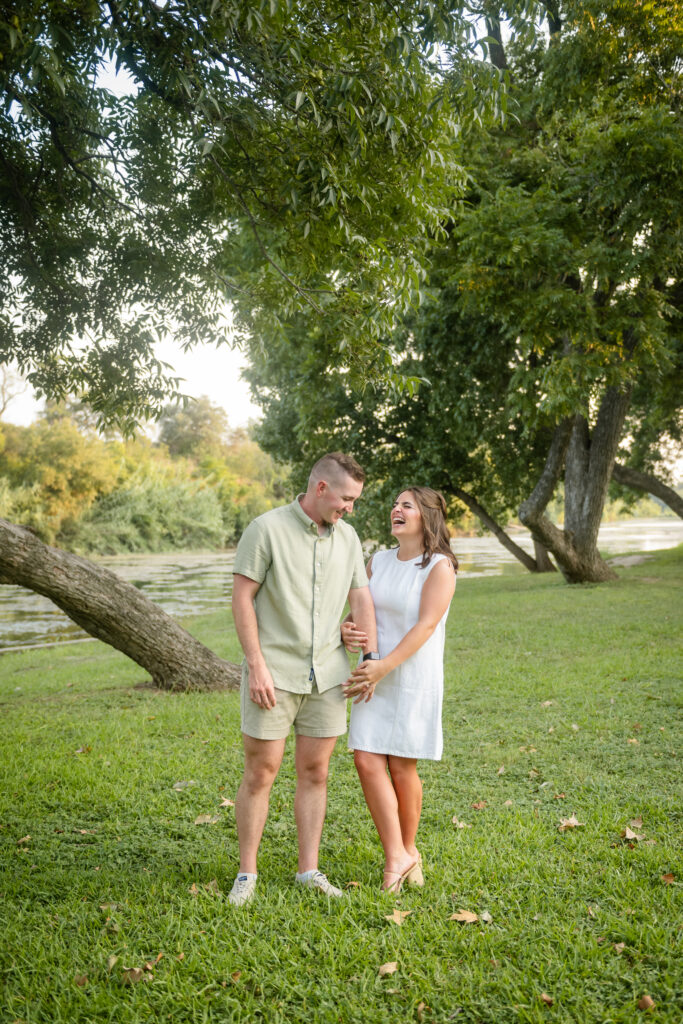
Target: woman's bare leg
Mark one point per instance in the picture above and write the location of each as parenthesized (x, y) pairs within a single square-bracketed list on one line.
[(383, 805), (408, 788)]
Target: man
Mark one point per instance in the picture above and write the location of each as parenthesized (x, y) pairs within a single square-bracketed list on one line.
[(294, 569)]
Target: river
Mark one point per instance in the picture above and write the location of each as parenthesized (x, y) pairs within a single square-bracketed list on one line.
[(192, 583)]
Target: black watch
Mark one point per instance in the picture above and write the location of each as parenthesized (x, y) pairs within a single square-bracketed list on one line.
[(372, 656)]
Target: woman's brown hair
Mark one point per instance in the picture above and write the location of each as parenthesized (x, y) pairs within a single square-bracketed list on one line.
[(435, 536)]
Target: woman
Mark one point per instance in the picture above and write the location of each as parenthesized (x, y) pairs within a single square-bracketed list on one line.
[(396, 713)]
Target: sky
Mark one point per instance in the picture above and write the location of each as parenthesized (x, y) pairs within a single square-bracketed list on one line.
[(210, 371)]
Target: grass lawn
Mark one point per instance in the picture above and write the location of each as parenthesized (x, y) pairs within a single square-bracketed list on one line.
[(560, 701)]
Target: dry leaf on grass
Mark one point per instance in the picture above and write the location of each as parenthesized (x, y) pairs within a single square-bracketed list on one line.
[(194, 889), (180, 956), (132, 975), (591, 912), (235, 976), (460, 824), (397, 916), (668, 879), (486, 917), (466, 916), (81, 980), (111, 961), (421, 1007), (632, 739), (559, 796), (352, 885), (389, 968), (212, 886), (646, 1003), (480, 805), (501, 770), (24, 839), (629, 835), (508, 803), (546, 703), (636, 822), (572, 822), (206, 819), (619, 947), (226, 803), (83, 750), (545, 998)]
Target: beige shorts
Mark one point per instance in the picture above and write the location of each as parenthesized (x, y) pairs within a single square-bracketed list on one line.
[(311, 714)]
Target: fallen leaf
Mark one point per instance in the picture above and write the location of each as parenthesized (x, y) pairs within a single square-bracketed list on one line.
[(194, 889), (523, 750), (389, 968), (81, 980), (646, 1003), (501, 770), (132, 975), (352, 885), (86, 831), (486, 917), (480, 805), (533, 773), (83, 750), (421, 1007), (668, 878), (551, 729), (632, 739), (629, 834), (149, 966), (508, 803), (636, 823), (466, 916), (206, 819), (24, 839), (212, 886), (591, 912), (226, 803), (600, 938), (546, 703), (111, 961), (545, 998), (159, 956), (532, 750), (620, 946), (572, 822), (637, 726), (235, 976), (460, 824), (180, 956), (575, 727), (559, 796), (397, 916)]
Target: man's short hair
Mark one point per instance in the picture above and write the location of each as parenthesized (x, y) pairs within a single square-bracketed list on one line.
[(335, 463)]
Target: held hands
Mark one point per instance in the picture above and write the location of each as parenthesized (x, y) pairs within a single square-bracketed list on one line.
[(364, 679), (353, 638), (262, 688)]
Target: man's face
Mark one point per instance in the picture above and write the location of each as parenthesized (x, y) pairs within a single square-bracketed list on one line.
[(336, 497)]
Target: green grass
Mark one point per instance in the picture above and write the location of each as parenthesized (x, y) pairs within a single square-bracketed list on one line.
[(607, 658)]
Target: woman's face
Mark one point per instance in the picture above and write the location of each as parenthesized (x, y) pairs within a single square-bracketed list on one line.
[(406, 520)]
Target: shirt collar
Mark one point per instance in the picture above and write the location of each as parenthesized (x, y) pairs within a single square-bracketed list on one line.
[(306, 520)]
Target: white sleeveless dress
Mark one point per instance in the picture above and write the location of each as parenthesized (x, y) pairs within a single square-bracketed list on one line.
[(404, 715)]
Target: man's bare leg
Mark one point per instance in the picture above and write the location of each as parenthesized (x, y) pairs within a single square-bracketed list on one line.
[(310, 802), (262, 759)]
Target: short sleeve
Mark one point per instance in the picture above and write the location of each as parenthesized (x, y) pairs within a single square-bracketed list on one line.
[(253, 556), (359, 577)]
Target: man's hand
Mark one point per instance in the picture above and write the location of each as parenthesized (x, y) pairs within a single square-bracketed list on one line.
[(262, 688), (364, 679)]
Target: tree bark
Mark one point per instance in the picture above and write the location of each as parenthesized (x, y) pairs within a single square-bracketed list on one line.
[(543, 558), (639, 481), (114, 611), (588, 459), (499, 533)]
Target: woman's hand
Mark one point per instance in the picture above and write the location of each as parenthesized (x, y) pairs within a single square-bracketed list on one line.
[(353, 638), (364, 679)]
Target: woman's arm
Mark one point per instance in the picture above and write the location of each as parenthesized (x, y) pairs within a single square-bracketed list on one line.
[(436, 595)]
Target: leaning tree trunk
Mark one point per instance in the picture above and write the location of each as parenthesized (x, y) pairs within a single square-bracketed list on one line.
[(588, 461), (532, 564), (628, 477), (112, 610)]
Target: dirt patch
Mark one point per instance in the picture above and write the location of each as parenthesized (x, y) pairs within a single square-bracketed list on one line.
[(626, 560)]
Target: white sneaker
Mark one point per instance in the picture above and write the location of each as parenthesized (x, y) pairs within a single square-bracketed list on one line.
[(320, 881), (242, 891)]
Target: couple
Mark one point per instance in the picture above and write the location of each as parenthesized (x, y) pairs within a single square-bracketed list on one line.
[(295, 568)]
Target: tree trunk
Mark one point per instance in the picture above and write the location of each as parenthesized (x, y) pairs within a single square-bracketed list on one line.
[(628, 477), (588, 462), (499, 533), (542, 558), (112, 610)]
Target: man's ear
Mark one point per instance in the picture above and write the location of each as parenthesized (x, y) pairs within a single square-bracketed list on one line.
[(320, 488)]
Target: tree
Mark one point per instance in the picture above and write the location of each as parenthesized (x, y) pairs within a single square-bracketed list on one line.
[(271, 155), (564, 267)]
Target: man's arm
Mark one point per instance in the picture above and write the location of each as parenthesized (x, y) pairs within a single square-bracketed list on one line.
[(261, 686), (363, 615)]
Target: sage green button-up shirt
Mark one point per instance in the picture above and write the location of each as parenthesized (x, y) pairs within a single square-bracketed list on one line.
[(304, 581)]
